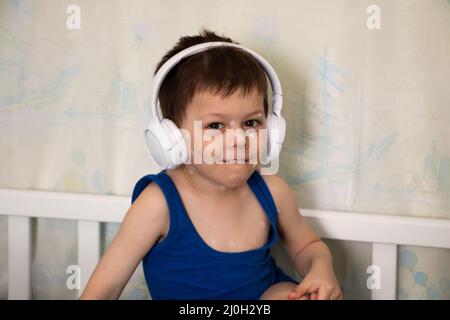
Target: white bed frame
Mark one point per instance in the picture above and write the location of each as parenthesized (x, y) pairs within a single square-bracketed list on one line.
[(385, 232)]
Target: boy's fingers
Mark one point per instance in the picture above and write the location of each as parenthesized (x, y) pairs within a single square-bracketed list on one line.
[(336, 295), (298, 291), (313, 296), (324, 293)]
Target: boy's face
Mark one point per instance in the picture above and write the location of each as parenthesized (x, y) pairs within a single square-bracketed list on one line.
[(226, 128)]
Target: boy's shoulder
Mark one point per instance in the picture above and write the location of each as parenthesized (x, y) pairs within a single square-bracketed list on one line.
[(275, 181), (153, 198), (278, 187)]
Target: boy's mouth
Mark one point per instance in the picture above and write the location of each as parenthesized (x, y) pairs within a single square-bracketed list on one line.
[(234, 161)]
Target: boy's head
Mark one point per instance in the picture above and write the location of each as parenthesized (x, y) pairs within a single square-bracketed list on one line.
[(222, 89), (222, 70)]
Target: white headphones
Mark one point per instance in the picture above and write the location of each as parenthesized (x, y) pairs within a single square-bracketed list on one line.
[(165, 140)]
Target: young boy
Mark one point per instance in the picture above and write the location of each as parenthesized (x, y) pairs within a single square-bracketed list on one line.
[(202, 230)]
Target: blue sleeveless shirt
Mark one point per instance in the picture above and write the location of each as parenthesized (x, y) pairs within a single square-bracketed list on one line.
[(183, 267)]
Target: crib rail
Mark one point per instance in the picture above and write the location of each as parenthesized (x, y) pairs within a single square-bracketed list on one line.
[(89, 210), (385, 232)]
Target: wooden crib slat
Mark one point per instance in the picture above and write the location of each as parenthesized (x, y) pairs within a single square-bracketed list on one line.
[(88, 249), (384, 256), (19, 258)]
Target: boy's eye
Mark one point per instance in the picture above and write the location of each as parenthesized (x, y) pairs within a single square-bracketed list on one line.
[(252, 123), (215, 125)]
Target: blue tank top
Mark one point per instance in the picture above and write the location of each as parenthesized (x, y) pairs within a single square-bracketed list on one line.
[(183, 267)]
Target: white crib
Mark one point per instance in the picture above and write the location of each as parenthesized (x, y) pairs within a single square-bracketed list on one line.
[(385, 232)]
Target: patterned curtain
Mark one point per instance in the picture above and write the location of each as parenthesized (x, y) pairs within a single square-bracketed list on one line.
[(366, 99)]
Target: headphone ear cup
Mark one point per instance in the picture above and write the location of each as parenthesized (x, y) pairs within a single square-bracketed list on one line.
[(166, 144), (270, 125), (156, 143), (177, 154), (276, 130)]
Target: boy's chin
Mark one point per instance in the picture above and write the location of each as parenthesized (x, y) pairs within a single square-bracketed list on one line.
[(235, 166), (233, 175)]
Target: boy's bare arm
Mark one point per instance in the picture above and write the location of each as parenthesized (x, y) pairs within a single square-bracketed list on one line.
[(295, 233), (312, 258), (142, 226)]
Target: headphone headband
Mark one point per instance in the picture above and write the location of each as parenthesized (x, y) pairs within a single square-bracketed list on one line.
[(277, 95)]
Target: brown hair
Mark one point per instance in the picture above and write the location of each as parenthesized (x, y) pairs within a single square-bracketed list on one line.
[(218, 70)]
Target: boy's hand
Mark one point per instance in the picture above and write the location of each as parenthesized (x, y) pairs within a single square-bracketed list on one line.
[(320, 283)]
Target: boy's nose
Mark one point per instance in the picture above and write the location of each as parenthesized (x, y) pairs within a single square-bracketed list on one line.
[(236, 139)]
